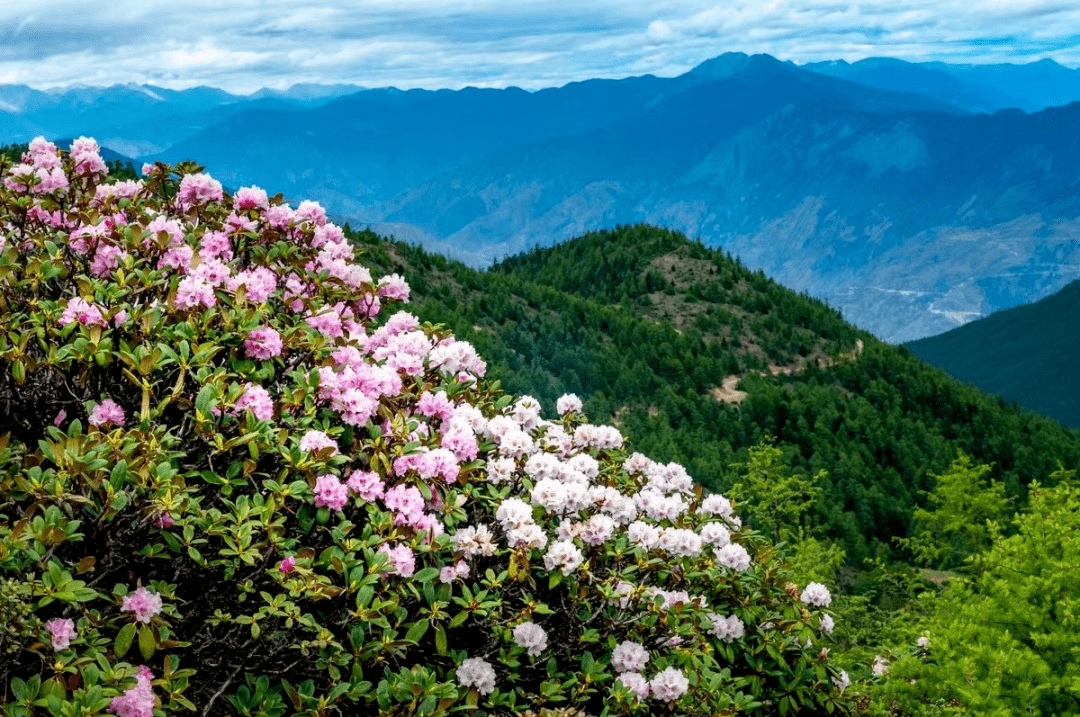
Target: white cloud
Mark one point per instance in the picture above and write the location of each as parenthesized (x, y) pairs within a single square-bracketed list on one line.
[(247, 44)]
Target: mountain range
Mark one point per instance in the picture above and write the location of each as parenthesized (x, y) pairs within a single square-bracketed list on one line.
[(1028, 354), (913, 197)]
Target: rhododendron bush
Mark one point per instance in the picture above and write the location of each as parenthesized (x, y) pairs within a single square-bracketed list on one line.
[(237, 476)]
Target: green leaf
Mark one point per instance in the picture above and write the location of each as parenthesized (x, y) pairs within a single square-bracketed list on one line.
[(417, 631), (123, 639), (426, 575), (205, 399), (440, 640), (147, 643)]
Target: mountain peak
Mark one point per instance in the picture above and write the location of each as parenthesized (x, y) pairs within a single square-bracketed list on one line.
[(733, 63)]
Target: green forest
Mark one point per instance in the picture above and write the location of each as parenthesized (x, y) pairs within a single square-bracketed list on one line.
[(866, 465)]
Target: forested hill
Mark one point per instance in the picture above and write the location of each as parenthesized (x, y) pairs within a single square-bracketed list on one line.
[(1028, 354), (645, 326)]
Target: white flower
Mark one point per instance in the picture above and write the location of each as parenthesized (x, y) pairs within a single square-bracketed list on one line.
[(563, 555), (669, 685), (642, 534), (636, 683), (568, 403), (629, 656), (532, 637), (826, 624), (715, 534), (842, 681), (513, 513), (733, 556), (816, 594), (880, 666), (477, 672), (728, 628), (923, 641), (529, 535), (550, 494)]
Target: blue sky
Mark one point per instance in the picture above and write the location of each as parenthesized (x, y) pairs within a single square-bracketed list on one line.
[(242, 45)]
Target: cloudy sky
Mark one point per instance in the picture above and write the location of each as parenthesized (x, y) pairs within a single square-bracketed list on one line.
[(242, 45)]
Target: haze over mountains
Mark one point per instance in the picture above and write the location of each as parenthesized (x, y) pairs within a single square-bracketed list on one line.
[(908, 195)]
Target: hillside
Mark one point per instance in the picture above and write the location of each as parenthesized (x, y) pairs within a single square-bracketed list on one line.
[(644, 325), (1028, 354)]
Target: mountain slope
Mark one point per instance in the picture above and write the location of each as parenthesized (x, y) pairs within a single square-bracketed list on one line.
[(644, 325), (976, 88), (910, 222), (1028, 354)]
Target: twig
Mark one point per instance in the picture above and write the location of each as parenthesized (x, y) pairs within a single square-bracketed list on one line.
[(210, 703)]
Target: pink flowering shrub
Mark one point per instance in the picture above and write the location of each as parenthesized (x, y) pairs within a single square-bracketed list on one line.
[(232, 460)]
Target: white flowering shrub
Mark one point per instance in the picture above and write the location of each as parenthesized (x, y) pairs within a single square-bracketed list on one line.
[(237, 478)]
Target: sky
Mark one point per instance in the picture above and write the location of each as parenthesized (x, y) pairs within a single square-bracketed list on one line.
[(244, 45)]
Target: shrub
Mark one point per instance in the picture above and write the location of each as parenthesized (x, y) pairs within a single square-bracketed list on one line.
[(234, 478)]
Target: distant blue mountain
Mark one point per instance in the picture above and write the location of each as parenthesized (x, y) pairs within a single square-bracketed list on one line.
[(975, 88)]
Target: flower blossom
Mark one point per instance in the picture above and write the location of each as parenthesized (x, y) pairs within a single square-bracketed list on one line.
[(330, 492), (733, 556), (198, 189), (402, 559), (816, 594), (477, 672), (263, 343), (257, 400), (108, 411), (288, 564), (669, 685), (137, 701), (62, 631), (568, 403), (84, 312), (727, 628), (636, 683), (629, 656), (143, 603), (532, 637), (315, 441)]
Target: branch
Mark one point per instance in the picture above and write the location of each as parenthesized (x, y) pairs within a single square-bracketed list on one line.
[(210, 703)]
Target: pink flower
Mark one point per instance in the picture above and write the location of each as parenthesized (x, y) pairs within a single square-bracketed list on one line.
[(119, 317), (108, 411), (287, 565), (193, 292), (330, 492), (198, 189), (263, 343), (315, 441), (164, 520), (147, 169), (80, 310), (143, 603), (401, 558), (60, 418), (250, 198), (106, 259), (62, 630), (139, 700), (366, 484), (259, 284), (394, 287), (257, 400), (669, 685)]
